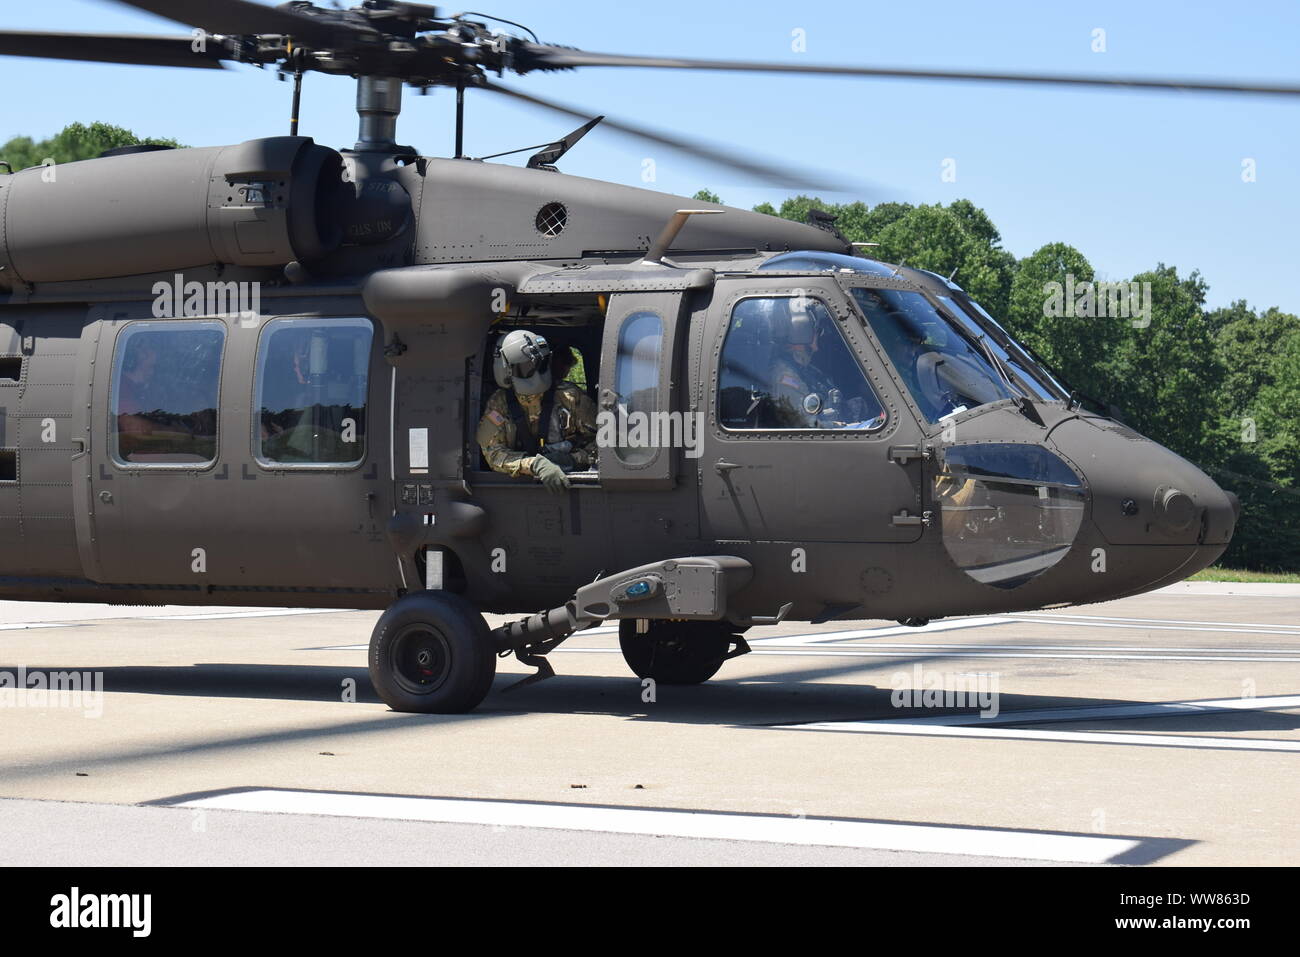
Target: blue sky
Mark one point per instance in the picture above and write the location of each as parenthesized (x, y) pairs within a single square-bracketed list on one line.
[(1130, 179)]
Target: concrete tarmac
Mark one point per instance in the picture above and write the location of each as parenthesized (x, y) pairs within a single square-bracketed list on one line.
[(1157, 730)]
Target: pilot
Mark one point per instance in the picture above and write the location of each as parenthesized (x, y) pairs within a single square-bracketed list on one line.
[(804, 396), (509, 432)]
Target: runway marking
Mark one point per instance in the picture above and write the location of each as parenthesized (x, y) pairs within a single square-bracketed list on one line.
[(972, 725), (1150, 648), (266, 613), (799, 652), (827, 832), (1138, 625), (948, 624), (1042, 616)]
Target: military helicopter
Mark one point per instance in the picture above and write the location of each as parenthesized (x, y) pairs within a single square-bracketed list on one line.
[(252, 375)]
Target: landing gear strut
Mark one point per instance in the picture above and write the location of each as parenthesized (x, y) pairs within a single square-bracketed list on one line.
[(431, 653)]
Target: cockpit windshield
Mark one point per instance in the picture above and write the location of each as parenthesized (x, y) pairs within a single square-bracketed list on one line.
[(1024, 375), (974, 333), (946, 368), (1020, 358)]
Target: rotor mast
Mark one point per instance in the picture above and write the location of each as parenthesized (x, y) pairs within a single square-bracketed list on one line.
[(379, 103)]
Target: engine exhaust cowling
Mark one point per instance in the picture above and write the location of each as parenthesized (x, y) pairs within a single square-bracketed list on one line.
[(265, 202)]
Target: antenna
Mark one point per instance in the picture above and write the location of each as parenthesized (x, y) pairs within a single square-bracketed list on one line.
[(898, 269), (549, 156), (460, 119), (295, 57)]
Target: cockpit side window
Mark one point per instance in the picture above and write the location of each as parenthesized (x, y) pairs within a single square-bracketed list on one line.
[(785, 365)]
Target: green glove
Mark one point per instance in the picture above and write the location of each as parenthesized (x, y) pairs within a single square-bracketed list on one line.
[(564, 460), (551, 475)]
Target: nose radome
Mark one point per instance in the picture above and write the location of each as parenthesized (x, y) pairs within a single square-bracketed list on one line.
[(1142, 493)]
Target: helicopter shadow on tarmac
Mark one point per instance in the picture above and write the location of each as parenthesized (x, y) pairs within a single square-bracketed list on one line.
[(773, 698)]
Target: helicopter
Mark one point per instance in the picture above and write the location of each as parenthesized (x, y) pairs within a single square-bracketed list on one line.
[(252, 374)]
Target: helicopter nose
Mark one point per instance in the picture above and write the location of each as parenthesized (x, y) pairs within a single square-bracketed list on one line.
[(1144, 494)]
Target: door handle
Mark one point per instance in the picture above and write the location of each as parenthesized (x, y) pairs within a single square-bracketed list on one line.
[(903, 518), (902, 454)]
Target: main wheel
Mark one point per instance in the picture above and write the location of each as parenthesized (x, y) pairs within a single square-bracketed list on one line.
[(676, 652), (431, 653)]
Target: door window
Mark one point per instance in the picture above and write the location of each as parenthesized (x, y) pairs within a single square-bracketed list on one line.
[(636, 383), (310, 392), (165, 387), (785, 365)]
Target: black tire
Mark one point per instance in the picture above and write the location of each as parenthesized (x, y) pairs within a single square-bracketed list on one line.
[(431, 653), (676, 652)]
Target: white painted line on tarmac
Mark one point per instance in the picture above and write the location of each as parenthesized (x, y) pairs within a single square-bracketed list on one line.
[(265, 613), (903, 652), (1137, 625), (825, 832), (1105, 712), (1201, 742), (947, 624), (1044, 616), (973, 726), (1154, 649)]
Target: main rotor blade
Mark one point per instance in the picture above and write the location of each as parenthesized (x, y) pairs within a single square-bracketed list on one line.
[(112, 48), (541, 56), (242, 17), (769, 174)]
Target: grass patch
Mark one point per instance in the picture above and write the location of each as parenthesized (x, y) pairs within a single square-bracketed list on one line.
[(1216, 574)]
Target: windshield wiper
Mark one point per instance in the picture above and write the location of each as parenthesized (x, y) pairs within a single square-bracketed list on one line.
[(997, 364)]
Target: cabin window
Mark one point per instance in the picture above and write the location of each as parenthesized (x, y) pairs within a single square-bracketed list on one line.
[(786, 366), (165, 387), (636, 384), (310, 393)]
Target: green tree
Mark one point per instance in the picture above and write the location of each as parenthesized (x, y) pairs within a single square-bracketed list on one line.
[(956, 240), (943, 239), (74, 142), (1165, 374), (707, 196)]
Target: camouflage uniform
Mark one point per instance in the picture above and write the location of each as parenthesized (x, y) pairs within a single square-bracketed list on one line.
[(573, 420), (793, 377)]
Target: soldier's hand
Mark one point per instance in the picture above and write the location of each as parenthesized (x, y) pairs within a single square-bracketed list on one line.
[(563, 459), (550, 475)]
